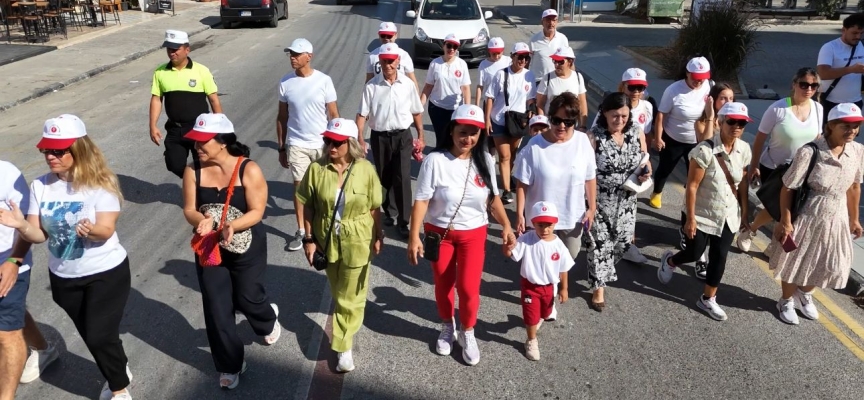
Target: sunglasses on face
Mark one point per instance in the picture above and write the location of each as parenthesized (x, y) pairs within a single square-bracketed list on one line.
[(568, 122), (292, 54), (736, 122), (451, 46), (523, 57), (806, 85), (385, 36), (55, 153), (334, 143), (559, 62), (636, 88)]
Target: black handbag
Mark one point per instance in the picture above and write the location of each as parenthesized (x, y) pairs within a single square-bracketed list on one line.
[(515, 123), (432, 240), (769, 192), (319, 259)]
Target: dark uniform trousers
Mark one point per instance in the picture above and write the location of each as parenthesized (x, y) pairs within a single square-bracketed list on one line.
[(392, 153), (177, 148)]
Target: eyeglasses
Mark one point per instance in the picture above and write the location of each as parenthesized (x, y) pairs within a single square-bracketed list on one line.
[(636, 88), (292, 54), (451, 46), (568, 122), (806, 85), (736, 122), (385, 36), (334, 143), (55, 153), (523, 57)]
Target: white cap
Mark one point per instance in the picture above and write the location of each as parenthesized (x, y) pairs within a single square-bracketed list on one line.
[(452, 39), (549, 13), (635, 76), (341, 129), (209, 125), (538, 119), (496, 43), (389, 51), (60, 133), (736, 110), (846, 112), (563, 53), (174, 39), (469, 114), (300, 46), (387, 27), (521, 48), (699, 67), (545, 211)]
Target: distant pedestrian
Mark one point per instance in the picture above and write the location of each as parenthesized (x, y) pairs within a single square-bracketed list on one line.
[(715, 203), (563, 79), (387, 33), (674, 135), (186, 88), (545, 263), (705, 127), (840, 65), (75, 209), (545, 43), (307, 100), (448, 85), (489, 67), (811, 246)]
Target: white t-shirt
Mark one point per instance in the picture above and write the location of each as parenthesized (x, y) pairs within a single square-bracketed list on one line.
[(373, 66), (13, 187), (542, 261), (487, 69), (556, 172), (575, 84), (682, 106), (543, 49), (786, 133), (307, 99), (835, 54), (520, 88), (442, 181), (60, 208), (642, 114), (448, 79)]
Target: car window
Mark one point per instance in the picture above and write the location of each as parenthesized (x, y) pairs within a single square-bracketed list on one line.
[(450, 9)]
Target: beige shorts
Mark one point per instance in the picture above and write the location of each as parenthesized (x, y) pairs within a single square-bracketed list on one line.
[(299, 159)]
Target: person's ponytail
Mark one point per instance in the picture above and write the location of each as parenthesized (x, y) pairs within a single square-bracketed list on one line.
[(233, 147)]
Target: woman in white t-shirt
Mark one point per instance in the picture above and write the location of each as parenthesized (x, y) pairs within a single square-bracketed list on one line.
[(75, 209), (787, 125), (456, 189), (512, 89), (490, 66), (447, 86), (674, 135), (563, 79)]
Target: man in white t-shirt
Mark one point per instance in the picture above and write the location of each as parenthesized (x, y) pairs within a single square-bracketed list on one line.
[(387, 33), (840, 69), (307, 100), (545, 43)]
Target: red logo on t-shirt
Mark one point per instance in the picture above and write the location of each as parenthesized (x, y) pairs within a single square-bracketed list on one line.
[(479, 182), (527, 87), (555, 256), (642, 118), (458, 73)]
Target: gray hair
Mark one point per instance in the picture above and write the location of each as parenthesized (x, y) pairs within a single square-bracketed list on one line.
[(355, 152)]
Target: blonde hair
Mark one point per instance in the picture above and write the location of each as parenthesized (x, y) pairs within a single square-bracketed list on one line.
[(355, 152), (90, 171)]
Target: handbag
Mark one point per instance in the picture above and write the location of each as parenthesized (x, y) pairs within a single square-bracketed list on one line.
[(515, 122), (206, 246), (632, 183), (319, 259), (769, 192), (432, 240)]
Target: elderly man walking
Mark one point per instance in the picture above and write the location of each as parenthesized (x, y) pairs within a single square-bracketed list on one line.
[(545, 43)]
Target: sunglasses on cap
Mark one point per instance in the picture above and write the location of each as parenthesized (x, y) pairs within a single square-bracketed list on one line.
[(334, 143), (451, 46), (736, 122), (55, 153), (568, 122), (806, 85), (636, 88)]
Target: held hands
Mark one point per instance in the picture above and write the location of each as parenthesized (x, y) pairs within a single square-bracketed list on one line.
[(83, 228), (509, 238), (155, 135), (562, 296), (855, 228), (13, 217), (690, 228), (415, 250)]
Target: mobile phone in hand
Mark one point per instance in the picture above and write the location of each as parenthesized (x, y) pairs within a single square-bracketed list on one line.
[(789, 245)]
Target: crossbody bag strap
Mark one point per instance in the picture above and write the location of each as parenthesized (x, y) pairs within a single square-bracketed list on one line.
[(230, 191), (458, 206), (812, 161), (836, 81), (506, 94), (336, 207), (726, 172)]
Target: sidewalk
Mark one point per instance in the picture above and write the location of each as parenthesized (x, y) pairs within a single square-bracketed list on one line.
[(49, 72)]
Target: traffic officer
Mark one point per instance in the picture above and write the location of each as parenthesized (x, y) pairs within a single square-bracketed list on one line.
[(186, 88), (390, 104), (387, 34)]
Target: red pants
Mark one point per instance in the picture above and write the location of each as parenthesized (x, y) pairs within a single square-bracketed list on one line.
[(537, 301), (467, 249)]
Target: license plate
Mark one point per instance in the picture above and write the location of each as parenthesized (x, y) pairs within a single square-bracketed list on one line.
[(245, 13)]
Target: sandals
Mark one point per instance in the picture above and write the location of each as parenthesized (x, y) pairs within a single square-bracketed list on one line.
[(277, 329), (230, 381)]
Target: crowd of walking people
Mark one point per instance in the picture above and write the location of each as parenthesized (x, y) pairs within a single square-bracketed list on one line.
[(575, 187)]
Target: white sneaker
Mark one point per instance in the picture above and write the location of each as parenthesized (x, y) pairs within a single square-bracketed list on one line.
[(711, 307), (273, 337), (470, 351), (445, 339), (37, 362), (553, 315), (346, 362), (122, 396), (108, 395), (665, 272), (532, 349), (787, 311), (634, 255), (804, 302), (745, 239)]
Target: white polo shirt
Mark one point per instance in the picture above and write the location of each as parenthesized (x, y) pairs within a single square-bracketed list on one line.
[(448, 79), (541, 63), (307, 99), (13, 187), (552, 85), (520, 88), (389, 107), (835, 54), (373, 66)]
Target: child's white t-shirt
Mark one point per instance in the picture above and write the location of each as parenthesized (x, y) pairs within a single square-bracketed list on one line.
[(542, 261)]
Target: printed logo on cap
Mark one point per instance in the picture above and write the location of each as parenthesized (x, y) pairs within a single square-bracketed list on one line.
[(336, 124), (699, 66), (458, 73), (171, 36), (472, 112), (201, 122), (544, 209), (853, 109), (556, 256), (54, 129)]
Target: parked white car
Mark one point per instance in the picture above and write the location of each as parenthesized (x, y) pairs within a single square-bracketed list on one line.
[(435, 19)]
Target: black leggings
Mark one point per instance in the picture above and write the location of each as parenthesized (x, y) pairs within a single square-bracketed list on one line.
[(669, 157), (719, 248), (440, 119)]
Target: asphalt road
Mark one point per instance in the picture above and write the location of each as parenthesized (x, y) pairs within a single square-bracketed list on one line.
[(650, 342)]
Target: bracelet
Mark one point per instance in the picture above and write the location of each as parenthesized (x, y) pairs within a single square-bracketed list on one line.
[(15, 261)]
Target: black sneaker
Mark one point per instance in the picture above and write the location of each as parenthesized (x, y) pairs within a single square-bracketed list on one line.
[(701, 270), (507, 197), (404, 231), (390, 221), (296, 242)]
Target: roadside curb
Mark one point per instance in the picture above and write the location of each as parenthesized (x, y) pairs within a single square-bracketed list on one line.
[(497, 13), (93, 72)]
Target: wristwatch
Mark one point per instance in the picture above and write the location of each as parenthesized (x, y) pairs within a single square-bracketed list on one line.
[(308, 239)]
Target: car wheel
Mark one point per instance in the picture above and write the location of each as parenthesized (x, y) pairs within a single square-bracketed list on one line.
[(274, 20), (226, 24)]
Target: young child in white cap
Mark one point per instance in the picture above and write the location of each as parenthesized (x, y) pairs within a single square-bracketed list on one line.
[(538, 124), (545, 262)]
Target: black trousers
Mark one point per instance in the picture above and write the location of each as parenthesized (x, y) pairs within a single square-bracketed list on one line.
[(95, 305), (440, 119), (827, 106), (719, 248), (669, 157), (392, 152), (177, 148)]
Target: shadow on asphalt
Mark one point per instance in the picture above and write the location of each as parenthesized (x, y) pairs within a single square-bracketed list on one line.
[(72, 373), (142, 192)]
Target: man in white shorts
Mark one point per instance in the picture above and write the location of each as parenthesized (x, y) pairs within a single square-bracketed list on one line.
[(387, 33), (307, 100), (545, 43)]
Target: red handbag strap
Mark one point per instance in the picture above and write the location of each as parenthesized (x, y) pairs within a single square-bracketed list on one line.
[(230, 192)]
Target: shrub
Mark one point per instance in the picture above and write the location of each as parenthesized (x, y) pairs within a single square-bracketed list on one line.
[(725, 34), (827, 8)]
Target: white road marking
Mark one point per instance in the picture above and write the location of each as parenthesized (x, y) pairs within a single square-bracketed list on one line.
[(254, 45), (233, 59), (307, 371)]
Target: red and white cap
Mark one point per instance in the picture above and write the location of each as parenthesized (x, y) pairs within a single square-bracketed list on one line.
[(521, 48), (545, 211), (563, 53), (341, 129), (61, 132), (735, 110), (635, 76), (496, 44), (549, 13), (699, 68), (451, 38), (387, 27), (209, 125), (389, 51), (469, 114), (846, 112), (539, 119)]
